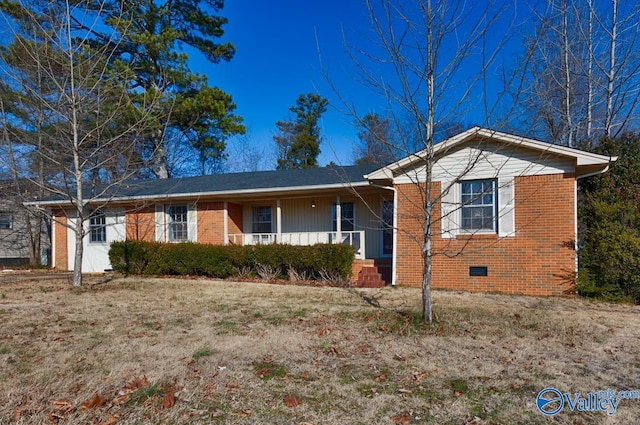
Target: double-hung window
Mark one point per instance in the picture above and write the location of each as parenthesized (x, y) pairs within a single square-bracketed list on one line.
[(261, 220), (177, 227), (479, 206), (98, 227), (347, 217)]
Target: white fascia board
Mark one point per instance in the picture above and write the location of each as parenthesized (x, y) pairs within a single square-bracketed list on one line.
[(160, 197), (387, 172)]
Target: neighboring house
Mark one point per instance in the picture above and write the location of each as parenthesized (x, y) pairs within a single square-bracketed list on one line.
[(505, 220), (19, 231)]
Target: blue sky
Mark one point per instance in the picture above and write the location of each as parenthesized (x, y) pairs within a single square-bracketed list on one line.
[(278, 47), (277, 60)]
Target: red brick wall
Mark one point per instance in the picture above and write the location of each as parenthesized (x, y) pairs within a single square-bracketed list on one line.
[(410, 214), (234, 212), (211, 222), (60, 244), (140, 223), (539, 260)]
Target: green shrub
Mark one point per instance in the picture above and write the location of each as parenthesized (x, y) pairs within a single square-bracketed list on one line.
[(134, 257), (153, 258)]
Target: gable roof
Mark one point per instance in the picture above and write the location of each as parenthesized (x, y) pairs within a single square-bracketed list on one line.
[(236, 184), (587, 163)]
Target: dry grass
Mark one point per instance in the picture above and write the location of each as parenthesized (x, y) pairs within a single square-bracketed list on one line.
[(196, 351)]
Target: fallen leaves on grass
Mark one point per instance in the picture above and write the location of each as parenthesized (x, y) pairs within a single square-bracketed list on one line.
[(169, 399), (61, 408), (110, 421), (401, 419), (138, 383), (94, 402), (292, 401)]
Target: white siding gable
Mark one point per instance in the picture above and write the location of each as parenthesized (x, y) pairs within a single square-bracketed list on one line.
[(494, 160)]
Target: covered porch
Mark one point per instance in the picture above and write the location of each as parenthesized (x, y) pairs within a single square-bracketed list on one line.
[(356, 239), (361, 220)]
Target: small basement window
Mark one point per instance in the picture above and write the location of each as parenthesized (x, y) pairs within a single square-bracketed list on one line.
[(478, 271)]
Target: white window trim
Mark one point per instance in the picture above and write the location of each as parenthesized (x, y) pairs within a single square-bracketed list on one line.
[(170, 232), (496, 218), (163, 221), (103, 227), (253, 222), (334, 209)]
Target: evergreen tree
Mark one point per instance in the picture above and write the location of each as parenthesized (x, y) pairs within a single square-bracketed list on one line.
[(609, 217), (151, 39), (298, 141)]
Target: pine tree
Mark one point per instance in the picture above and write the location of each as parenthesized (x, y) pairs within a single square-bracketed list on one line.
[(298, 141)]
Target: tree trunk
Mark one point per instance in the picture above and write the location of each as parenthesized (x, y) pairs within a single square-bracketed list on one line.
[(159, 158), (611, 75), (427, 306), (77, 261)]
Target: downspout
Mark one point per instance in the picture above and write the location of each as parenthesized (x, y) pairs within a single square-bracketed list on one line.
[(53, 243), (394, 258)]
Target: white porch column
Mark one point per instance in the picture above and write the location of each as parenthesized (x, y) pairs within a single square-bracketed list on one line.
[(338, 220), (225, 223), (278, 221)]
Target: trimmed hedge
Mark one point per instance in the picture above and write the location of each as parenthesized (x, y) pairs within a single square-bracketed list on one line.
[(155, 258)]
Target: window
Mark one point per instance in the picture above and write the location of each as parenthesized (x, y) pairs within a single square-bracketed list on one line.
[(479, 205), (98, 227), (261, 220), (177, 223), (347, 219), (6, 221)]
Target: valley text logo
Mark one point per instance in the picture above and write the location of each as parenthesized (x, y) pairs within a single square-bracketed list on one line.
[(551, 401)]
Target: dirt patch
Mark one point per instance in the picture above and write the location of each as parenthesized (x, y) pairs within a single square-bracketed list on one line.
[(197, 351)]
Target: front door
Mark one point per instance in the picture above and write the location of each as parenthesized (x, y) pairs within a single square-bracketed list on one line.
[(387, 228)]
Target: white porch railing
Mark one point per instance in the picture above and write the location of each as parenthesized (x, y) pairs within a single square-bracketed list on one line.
[(355, 239)]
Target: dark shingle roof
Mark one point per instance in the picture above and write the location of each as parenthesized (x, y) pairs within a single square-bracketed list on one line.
[(259, 180)]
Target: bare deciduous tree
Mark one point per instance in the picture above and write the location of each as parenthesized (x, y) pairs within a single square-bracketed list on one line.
[(86, 144), (428, 60), (583, 70)]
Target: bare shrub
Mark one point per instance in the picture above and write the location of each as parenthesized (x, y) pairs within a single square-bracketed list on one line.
[(297, 275), (243, 272), (333, 278), (267, 272)]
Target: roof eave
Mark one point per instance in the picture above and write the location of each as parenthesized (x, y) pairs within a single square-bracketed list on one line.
[(239, 192)]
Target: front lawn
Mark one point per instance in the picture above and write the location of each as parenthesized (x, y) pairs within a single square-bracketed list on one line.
[(196, 351)]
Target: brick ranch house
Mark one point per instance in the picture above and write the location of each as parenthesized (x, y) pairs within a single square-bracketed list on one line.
[(505, 216)]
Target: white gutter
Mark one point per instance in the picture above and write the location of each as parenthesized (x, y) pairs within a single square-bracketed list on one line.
[(394, 258), (595, 173)]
